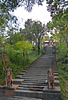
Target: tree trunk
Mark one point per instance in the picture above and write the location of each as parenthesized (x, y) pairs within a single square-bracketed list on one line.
[(60, 40), (66, 40), (38, 45)]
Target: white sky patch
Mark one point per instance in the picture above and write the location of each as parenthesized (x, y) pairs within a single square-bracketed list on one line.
[(39, 13)]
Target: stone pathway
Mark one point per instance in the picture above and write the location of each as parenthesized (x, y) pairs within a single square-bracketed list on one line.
[(32, 82)]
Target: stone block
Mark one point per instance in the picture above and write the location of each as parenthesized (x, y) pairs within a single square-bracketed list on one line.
[(55, 90), (18, 77), (21, 73), (17, 81)]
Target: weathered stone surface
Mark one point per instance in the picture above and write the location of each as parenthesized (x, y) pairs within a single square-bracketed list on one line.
[(23, 98), (56, 77), (18, 77), (7, 92), (55, 74), (17, 81), (25, 71), (22, 73), (55, 90)]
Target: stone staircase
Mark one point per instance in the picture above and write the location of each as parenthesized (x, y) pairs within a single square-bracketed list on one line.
[(32, 84)]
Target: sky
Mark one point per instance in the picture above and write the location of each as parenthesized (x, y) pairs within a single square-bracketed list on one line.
[(38, 13)]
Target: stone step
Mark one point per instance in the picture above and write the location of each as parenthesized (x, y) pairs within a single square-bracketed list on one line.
[(31, 88), (25, 71), (34, 83), (18, 77), (55, 90), (39, 94), (21, 73), (29, 78), (29, 93), (55, 71), (13, 87), (39, 79), (22, 98), (56, 82), (35, 74), (56, 77), (55, 74), (33, 77), (34, 80), (17, 81), (35, 89)]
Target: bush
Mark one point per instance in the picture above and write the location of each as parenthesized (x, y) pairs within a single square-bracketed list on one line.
[(16, 61), (61, 58)]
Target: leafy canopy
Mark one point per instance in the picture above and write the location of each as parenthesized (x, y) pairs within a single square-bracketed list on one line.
[(23, 45)]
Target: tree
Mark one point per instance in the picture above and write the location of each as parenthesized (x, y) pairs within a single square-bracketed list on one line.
[(59, 24), (46, 38), (3, 52), (25, 46), (28, 35), (38, 31), (56, 6), (14, 38), (33, 32), (7, 5)]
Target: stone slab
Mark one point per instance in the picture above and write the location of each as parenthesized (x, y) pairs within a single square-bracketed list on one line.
[(19, 76), (55, 74), (21, 73), (56, 77), (17, 81), (23, 98), (56, 82), (13, 87), (30, 86), (55, 71), (35, 89), (39, 94), (27, 91), (55, 90)]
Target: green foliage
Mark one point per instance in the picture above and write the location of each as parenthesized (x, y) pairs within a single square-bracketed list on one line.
[(33, 32), (23, 45), (55, 7), (14, 38), (62, 79), (2, 73), (46, 38), (15, 59), (62, 62), (60, 26), (6, 5)]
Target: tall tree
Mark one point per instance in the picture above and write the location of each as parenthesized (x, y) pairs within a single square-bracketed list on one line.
[(56, 6), (60, 25), (7, 5), (33, 32), (38, 32)]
